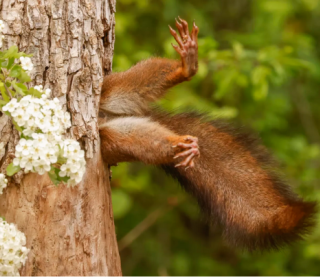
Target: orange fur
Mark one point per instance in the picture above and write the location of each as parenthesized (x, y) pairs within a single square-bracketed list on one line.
[(234, 180)]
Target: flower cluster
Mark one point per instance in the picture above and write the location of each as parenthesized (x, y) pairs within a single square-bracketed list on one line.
[(13, 253), (36, 154), (75, 165), (34, 114), (42, 147)]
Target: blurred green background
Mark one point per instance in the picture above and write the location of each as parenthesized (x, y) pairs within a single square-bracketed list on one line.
[(259, 65)]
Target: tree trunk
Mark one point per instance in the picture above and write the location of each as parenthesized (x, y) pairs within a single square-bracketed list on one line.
[(70, 231)]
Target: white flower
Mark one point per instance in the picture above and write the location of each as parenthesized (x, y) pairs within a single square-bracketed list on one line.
[(39, 88), (13, 253), (43, 123), (34, 110), (75, 165), (72, 182), (39, 140), (26, 63), (29, 131), (37, 101), (47, 92), (42, 167), (66, 120), (30, 122), (18, 111), (11, 106), (36, 150), (17, 160), (49, 156), (24, 147), (77, 176), (25, 101), (28, 162), (65, 170)]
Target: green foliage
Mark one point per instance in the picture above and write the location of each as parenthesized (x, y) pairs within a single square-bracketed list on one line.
[(12, 169), (259, 65), (12, 76), (55, 178)]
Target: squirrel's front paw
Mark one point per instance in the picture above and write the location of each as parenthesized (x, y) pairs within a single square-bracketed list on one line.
[(187, 47), (189, 149)]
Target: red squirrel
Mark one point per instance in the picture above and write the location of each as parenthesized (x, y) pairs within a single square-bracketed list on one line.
[(229, 173)]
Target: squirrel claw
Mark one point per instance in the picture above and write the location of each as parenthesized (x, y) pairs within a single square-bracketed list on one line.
[(187, 46), (192, 150)]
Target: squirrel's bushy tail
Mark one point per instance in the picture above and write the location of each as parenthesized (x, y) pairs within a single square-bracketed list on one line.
[(236, 186)]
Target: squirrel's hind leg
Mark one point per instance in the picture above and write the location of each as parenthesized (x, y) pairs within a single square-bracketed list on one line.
[(132, 138)]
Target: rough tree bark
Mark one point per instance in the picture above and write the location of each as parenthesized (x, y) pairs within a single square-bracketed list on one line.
[(70, 231)]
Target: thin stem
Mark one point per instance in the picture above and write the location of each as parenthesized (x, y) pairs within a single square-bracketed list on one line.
[(8, 91)]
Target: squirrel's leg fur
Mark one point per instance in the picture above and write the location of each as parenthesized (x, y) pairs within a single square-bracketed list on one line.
[(130, 92), (236, 186), (140, 139), (233, 180)]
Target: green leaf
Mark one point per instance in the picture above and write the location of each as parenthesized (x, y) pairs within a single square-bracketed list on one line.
[(7, 63), (34, 92), (53, 176), (62, 160), (11, 52), (64, 179), (13, 93), (3, 63), (12, 169), (18, 89), (10, 63), (22, 86), (259, 74), (24, 77), (15, 71), (4, 93)]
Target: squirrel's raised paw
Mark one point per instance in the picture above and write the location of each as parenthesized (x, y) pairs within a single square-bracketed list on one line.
[(190, 150), (187, 46)]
